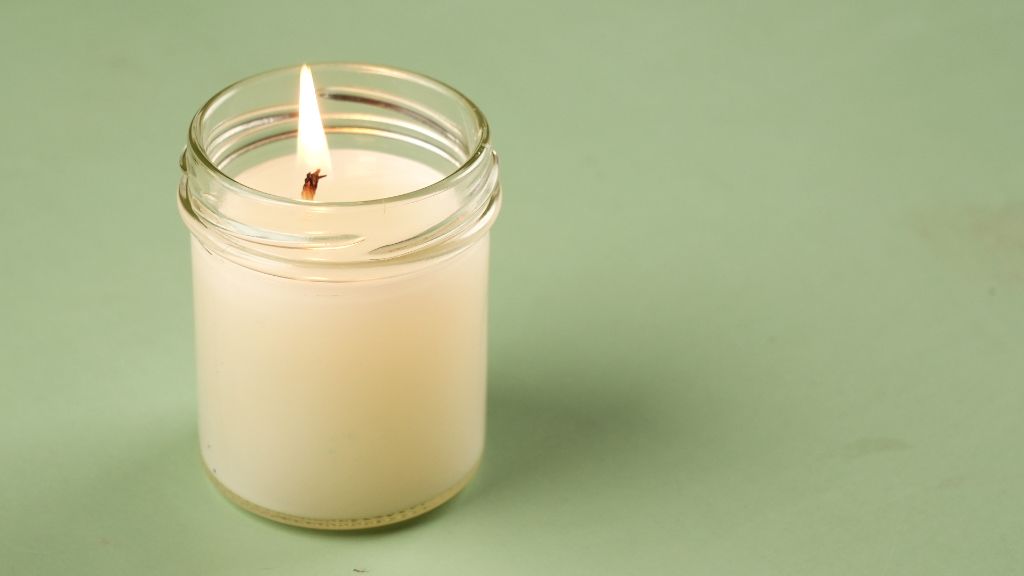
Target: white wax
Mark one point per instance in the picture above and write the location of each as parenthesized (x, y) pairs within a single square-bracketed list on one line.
[(355, 175), (342, 400)]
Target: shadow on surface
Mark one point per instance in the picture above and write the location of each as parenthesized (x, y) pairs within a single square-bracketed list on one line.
[(561, 431)]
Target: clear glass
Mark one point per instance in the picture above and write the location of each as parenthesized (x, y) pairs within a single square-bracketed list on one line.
[(363, 107), (341, 346)]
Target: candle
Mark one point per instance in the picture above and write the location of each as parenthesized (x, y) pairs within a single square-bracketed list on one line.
[(349, 402)]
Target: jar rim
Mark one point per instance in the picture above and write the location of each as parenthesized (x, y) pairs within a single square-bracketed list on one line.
[(480, 149)]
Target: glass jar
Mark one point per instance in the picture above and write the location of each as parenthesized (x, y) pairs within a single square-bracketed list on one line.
[(341, 343)]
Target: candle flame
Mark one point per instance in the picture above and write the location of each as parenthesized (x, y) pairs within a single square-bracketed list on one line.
[(312, 150)]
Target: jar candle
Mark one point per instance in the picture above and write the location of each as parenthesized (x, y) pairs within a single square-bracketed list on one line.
[(341, 333)]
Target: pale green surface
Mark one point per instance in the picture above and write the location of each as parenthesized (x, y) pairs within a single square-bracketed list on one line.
[(757, 302)]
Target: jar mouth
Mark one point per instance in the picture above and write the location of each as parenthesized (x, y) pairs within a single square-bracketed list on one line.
[(364, 107), (480, 148)]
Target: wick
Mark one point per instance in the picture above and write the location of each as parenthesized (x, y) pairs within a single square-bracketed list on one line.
[(312, 181)]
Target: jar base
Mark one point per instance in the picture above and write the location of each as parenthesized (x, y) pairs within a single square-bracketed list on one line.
[(343, 524)]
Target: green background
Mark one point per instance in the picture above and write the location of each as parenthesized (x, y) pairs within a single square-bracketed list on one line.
[(757, 304)]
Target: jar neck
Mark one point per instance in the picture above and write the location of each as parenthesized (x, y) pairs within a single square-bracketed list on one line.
[(370, 108)]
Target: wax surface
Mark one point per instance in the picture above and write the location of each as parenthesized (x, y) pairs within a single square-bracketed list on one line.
[(354, 175)]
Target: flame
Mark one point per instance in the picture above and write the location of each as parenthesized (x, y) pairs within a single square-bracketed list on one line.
[(312, 150)]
